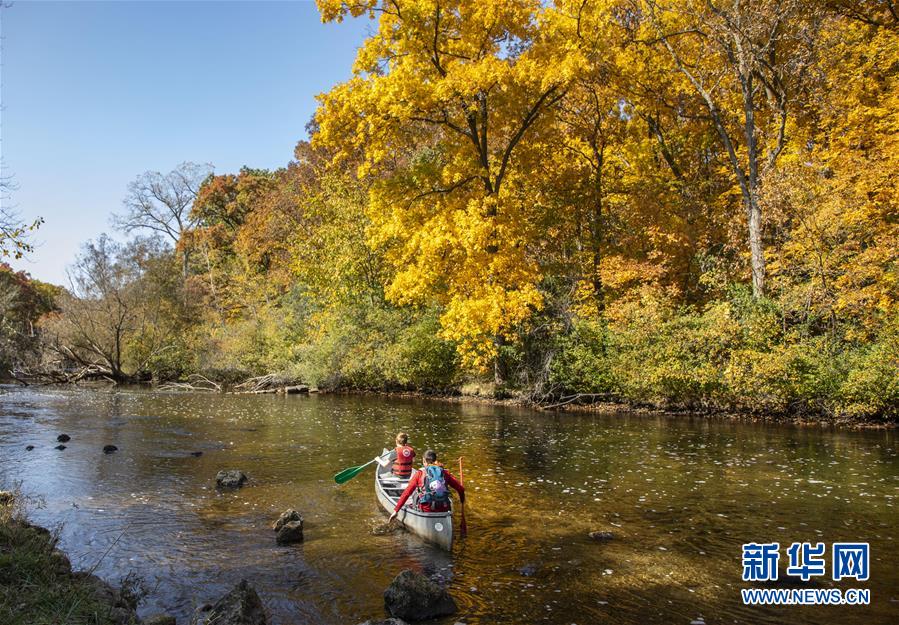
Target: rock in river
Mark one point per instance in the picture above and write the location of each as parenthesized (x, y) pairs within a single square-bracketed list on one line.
[(601, 536), (286, 517), (29, 447), (60, 447), (241, 606), (289, 527), (63, 438), (232, 478), (108, 449), (529, 570), (414, 597)]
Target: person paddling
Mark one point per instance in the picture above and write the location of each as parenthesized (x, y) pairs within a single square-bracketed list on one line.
[(405, 453), (431, 483)]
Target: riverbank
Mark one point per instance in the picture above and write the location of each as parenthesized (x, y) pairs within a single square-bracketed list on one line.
[(610, 407), (39, 587), (486, 393)]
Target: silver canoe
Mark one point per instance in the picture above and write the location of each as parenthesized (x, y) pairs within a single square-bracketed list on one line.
[(434, 527)]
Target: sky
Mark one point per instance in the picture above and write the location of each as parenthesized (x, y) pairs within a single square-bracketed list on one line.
[(96, 93)]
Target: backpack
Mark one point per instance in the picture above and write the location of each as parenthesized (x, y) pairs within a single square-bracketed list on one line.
[(433, 489)]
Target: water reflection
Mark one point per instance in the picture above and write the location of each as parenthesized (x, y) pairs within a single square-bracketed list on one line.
[(681, 497)]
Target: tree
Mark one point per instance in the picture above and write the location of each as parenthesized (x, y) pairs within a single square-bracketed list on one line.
[(116, 316), (745, 61), (162, 204), (14, 233), (446, 101)]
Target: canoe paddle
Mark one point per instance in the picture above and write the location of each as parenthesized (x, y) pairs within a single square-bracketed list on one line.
[(347, 474), (463, 527)]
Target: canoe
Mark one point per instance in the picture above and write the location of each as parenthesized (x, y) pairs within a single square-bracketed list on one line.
[(434, 527)]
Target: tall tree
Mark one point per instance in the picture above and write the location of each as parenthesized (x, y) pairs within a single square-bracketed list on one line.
[(447, 98), (745, 61), (161, 203)]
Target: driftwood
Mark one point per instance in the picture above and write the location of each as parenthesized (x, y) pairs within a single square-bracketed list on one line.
[(564, 401), (27, 377), (271, 383), (296, 389), (195, 382)]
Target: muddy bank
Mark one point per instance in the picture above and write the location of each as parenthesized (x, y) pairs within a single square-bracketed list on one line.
[(39, 587)]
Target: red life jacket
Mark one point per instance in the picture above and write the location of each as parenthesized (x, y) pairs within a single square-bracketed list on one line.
[(402, 466)]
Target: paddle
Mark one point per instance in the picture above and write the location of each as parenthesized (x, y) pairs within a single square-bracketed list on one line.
[(463, 527), (347, 474)]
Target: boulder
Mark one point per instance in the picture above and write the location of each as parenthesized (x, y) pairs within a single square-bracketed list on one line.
[(196, 454), (159, 619), (241, 606), (286, 517), (108, 449), (384, 621), (60, 447), (414, 597), (231, 478), (601, 536), (29, 447), (290, 532), (63, 438)]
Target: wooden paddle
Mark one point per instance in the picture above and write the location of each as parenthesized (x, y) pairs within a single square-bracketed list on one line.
[(463, 527), (347, 474)]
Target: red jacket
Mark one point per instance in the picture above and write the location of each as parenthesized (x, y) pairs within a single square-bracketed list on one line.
[(416, 482), (402, 466)]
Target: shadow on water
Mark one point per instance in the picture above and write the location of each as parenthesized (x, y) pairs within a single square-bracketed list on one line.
[(680, 496)]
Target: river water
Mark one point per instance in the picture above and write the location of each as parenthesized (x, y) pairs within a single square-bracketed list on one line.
[(681, 496)]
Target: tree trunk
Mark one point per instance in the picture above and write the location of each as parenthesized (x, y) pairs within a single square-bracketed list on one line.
[(500, 371), (185, 262), (756, 248), (596, 232)]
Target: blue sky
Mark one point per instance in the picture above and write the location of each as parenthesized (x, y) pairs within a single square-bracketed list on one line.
[(95, 93)]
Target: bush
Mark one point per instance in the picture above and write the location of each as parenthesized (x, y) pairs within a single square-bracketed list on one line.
[(730, 354)]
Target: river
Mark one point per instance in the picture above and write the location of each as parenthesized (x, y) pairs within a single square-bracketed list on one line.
[(681, 496)]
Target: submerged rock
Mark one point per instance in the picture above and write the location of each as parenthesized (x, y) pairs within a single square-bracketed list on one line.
[(528, 570), (290, 532), (63, 438), (29, 447), (601, 536), (414, 597), (60, 447), (231, 478), (196, 454), (241, 606), (286, 517), (108, 449)]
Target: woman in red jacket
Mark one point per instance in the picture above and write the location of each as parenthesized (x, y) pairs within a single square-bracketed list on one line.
[(430, 482)]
